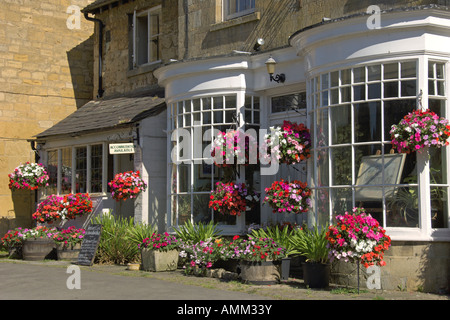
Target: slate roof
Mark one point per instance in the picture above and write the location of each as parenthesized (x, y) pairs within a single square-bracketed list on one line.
[(107, 114)]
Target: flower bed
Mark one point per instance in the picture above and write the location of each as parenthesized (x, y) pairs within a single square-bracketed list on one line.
[(290, 143), (232, 198), (127, 185), (358, 237), (418, 130), (288, 197), (28, 176)]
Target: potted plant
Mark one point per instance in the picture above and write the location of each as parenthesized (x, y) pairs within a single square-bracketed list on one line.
[(288, 197), (127, 185), (232, 198), (419, 130), (260, 260), (313, 245), (38, 244), (28, 176), (281, 234), (13, 242), (159, 252), (199, 256), (68, 242), (290, 143), (357, 237)]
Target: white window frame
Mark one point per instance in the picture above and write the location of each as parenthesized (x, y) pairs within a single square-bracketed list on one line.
[(424, 231), (239, 12), (150, 33), (88, 168)]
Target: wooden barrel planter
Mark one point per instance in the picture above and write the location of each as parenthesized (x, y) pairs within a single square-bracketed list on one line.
[(260, 272), (66, 253), (154, 260), (38, 249)]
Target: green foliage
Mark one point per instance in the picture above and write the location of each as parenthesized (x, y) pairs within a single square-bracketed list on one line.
[(280, 234), (119, 239), (194, 233), (311, 243)]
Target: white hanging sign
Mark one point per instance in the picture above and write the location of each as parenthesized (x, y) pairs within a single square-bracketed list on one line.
[(117, 148)]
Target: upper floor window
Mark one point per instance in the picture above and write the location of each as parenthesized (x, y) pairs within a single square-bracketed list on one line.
[(145, 36), (237, 8)]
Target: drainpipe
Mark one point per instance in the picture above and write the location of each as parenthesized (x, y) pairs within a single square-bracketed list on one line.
[(100, 53)]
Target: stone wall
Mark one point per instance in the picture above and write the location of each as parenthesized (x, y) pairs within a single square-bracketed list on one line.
[(203, 32), (118, 78), (45, 74), (410, 266)]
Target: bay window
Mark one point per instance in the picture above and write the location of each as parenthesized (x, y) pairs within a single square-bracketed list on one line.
[(193, 125), (352, 111)]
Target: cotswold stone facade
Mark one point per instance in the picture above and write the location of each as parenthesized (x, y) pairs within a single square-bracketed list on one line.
[(46, 58)]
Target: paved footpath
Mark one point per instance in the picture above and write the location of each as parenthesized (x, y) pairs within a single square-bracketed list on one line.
[(52, 280), (57, 282)]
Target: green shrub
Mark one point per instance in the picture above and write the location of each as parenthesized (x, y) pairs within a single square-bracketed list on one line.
[(120, 238), (311, 243), (194, 233)]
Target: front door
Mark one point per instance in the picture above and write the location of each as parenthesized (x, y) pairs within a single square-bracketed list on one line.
[(285, 108)]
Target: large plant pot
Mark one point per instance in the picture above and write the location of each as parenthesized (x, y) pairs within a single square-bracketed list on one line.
[(68, 253), (154, 260), (38, 249), (260, 272), (285, 268), (316, 275)]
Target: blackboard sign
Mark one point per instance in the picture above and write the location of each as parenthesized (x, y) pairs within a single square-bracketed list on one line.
[(89, 245)]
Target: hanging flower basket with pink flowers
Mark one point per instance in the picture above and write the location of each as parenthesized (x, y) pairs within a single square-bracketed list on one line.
[(127, 185), (418, 130), (28, 176)]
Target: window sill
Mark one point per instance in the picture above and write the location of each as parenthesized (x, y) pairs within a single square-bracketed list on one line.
[(145, 68), (236, 21)]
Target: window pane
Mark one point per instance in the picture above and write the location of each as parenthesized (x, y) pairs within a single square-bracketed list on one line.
[(52, 168), (322, 206), (345, 94), (334, 78), (359, 92), (439, 207), (394, 111), (341, 200), (184, 208), (402, 208), (341, 129), (359, 75), (184, 180), (96, 168), (201, 213), (408, 69), (322, 164), (142, 39), (341, 166), (374, 73), (374, 91), (322, 128), (391, 71), (66, 170), (202, 177), (345, 76), (408, 88), (81, 170), (391, 89), (371, 199)]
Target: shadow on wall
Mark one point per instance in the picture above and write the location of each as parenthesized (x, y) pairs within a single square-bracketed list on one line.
[(20, 216), (81, 64), (434, 270)]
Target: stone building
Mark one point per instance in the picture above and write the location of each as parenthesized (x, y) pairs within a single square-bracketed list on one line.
[(45, 74), (348, 69)]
